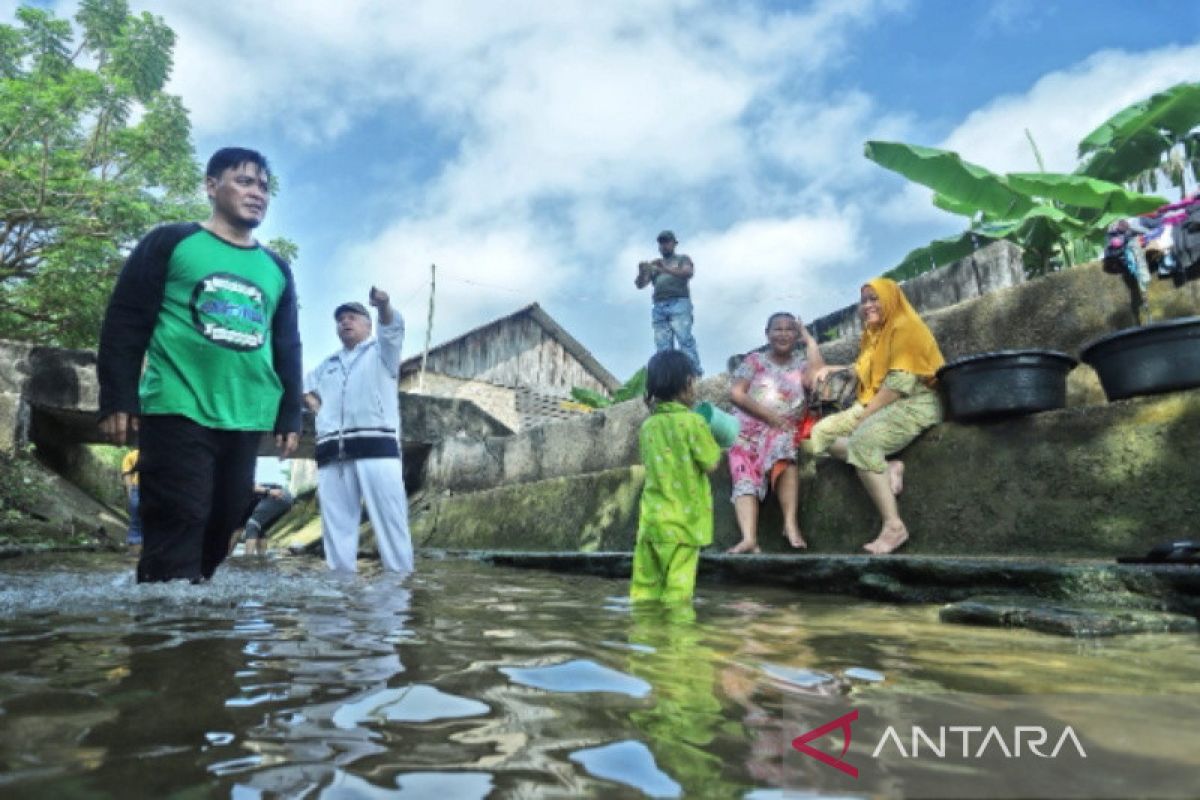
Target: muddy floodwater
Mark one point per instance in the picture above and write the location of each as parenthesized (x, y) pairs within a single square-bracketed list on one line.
[(473, 681)]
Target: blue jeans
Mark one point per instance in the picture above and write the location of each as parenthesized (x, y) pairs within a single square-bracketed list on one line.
[(672, 323), (134, 535)]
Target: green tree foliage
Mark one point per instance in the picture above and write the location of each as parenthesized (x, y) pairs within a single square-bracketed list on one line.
[(93, 154)]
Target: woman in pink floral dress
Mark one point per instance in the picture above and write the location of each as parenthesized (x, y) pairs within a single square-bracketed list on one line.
[(769, 390)]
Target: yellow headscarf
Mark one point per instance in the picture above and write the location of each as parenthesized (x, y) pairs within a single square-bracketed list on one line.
[(902, 342)]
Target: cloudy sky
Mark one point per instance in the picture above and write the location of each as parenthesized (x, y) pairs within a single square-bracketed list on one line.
[(532, 149)]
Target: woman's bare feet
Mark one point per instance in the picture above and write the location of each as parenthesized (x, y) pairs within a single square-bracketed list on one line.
[(744, 546), (895, 473), (795, 539), (891, 537)]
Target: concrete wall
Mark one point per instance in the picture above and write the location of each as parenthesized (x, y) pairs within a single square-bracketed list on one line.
[(1060, 312), (1092, 480), (996, 266), (498, 401), (60, 381)]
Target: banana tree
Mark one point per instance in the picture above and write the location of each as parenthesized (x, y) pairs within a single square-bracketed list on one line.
[(1048, 214), (1148, 139)]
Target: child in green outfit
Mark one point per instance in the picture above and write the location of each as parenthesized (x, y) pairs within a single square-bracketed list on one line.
[(676, 515)]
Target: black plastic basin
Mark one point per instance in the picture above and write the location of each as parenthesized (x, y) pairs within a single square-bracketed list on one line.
[(1004, 383), (1150, 359)]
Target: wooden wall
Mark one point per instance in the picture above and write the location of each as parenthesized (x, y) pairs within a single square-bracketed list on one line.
[(516, 352)]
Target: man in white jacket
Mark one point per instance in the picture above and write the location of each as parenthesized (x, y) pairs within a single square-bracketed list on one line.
[(356, 400)]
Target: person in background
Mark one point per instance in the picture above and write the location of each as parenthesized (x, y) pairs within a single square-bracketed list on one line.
[(897, 361), (675, 518), (671, 309), (357, 402), (271, 501), (129, 479), (769, 390)]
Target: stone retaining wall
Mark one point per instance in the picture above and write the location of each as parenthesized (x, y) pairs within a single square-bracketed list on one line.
[(996, 266), (1095, 479), (1093, 482)]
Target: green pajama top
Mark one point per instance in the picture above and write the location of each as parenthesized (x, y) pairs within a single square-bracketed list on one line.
[(678, 452)]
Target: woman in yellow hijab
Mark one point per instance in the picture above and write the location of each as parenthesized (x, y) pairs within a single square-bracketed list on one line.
[(896, 364)]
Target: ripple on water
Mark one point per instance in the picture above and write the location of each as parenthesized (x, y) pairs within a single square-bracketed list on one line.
[(864, 674), (84, 592), (579, 675), (457, 785), (339, 784), (631, 763), (416, 703)]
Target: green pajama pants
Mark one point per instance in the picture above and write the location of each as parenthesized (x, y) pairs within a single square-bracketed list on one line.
[(664, 571)]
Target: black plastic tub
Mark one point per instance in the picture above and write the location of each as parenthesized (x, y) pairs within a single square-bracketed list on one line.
[(1149, 359), (1004, 383)]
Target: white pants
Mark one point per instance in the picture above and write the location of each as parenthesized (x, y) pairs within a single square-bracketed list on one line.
[(343, 486)]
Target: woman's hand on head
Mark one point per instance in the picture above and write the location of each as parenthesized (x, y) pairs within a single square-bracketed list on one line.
[(805, 335)]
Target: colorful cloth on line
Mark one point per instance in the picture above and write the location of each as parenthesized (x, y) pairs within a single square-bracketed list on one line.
[(779, 387), (678, 452)]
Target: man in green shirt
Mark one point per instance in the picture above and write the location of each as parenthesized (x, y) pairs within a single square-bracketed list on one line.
[(212, 314)]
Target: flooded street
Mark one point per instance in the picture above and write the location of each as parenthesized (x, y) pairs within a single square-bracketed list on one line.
[(470, 681)]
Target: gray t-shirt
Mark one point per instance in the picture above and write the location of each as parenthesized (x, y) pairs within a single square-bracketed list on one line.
[(669, 287)]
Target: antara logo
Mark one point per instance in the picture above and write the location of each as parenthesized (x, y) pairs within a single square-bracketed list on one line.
[(942, 743), (1033, 737), (842, 722)]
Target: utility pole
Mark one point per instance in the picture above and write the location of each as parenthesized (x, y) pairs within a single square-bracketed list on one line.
[(428, 327)]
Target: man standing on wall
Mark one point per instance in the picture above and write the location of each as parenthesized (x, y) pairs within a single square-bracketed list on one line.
[(671, 312), (355, 396), (213, 313)]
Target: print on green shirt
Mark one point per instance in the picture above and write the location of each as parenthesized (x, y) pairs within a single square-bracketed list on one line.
[(230, 312)]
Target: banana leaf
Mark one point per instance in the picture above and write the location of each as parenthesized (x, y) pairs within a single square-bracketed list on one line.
[(961, 182), (1177, 111), (937, 253), (1134, 139), (954, 206), (1058, 220), (588, 397), (634, 387), (1082, 191)]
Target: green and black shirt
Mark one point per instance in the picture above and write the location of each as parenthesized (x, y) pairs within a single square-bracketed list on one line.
[(217, 325)]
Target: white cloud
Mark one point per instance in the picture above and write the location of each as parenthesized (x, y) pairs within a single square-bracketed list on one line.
[(820, 140), (1063, 107), (577, 127), (575, 130), (481, 275)]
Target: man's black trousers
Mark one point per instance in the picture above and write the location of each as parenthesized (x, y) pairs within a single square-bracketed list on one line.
[(195, 483)]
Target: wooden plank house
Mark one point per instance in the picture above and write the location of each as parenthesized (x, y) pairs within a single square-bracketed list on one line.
[(519, 368)]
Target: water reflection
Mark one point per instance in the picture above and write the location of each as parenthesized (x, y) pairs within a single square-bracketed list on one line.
[(470, 681), (630, 763), (579, 675)]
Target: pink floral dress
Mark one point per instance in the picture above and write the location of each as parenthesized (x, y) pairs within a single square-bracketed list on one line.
[(758, 446)]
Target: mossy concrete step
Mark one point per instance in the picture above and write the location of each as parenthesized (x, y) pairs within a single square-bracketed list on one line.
[(1085, 619), (916, 579)]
